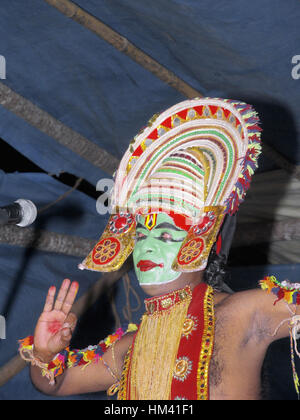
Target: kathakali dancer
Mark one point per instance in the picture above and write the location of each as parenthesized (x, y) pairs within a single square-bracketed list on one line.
[(176, 191)]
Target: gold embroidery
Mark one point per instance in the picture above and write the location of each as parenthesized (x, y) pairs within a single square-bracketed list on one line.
[(206, 346), (151, 308), (113, 248), (182, 368), (196, 246), (155, 349), (188, 327), (161, 303), (182, 294), (145, 382), (166, 303), (122, 394)]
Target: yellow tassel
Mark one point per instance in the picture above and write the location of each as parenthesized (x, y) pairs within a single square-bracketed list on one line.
[(112, 390), (155, 351)]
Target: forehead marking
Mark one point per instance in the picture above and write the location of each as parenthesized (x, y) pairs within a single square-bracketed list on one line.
[(150, 221)]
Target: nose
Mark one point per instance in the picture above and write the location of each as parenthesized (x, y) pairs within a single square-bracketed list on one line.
[(149, 245)]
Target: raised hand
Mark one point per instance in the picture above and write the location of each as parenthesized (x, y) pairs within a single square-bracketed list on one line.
[(56, 324)]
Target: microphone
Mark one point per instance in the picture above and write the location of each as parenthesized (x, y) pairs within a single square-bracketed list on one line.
[(21, 213)]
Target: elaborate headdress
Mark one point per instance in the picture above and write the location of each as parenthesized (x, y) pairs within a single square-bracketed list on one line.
[(194, 162)]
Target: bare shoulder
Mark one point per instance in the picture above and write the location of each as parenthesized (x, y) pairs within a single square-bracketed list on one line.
[(238, 308), (247, 300), (255, 308)]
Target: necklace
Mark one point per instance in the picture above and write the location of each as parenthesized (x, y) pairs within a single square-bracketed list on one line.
[(170, 356)]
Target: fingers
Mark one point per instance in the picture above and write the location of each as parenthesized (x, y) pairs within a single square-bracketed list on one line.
[(69, 299), (68, 327), (50, 299), (70, 322), (62, 294), (65, 298)]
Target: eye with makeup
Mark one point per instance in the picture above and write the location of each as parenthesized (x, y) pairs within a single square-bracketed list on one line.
[(168, 238), (140, 236)]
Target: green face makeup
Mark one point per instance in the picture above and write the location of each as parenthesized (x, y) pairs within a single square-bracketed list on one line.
[(156, 249)]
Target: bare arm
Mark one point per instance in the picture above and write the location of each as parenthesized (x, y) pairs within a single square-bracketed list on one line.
[(260, 318), (277, 314), (53, 334), (92, 378), (95, 377)]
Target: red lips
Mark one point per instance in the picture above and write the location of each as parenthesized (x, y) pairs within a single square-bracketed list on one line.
[(146, 265)]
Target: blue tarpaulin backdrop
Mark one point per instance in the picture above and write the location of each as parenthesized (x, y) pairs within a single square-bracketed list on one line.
[(237, 49)]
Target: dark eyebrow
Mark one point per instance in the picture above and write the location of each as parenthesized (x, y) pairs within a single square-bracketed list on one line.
[(140, 226), (166, 225)]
